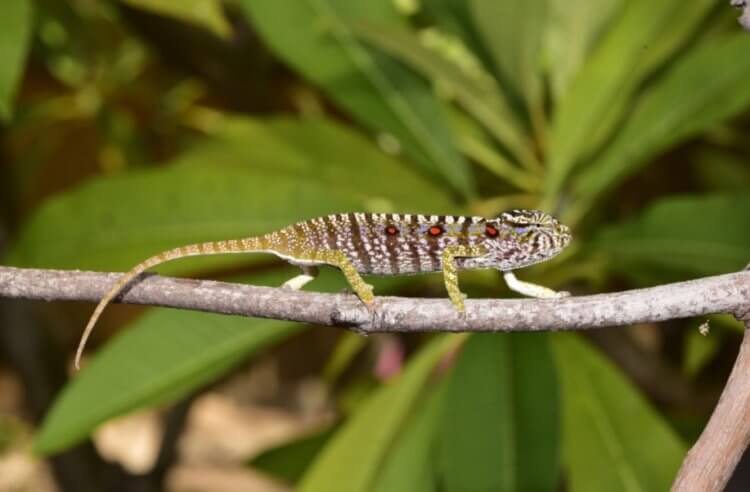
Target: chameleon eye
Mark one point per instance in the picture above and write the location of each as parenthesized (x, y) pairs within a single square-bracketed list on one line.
[(391, 230), (491, 231), (435, 230)]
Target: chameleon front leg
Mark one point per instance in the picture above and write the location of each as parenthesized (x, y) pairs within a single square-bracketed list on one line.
[(356, 282), (308, 273), (529, 289), (450, 271)]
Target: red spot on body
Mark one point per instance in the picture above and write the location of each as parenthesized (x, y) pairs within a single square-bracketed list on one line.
[(391, 230), (435, 230), (491, 230)]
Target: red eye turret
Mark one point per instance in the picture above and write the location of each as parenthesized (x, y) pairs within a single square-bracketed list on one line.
[(435, 230)]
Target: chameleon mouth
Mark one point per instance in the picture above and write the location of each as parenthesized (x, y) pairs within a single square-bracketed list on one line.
[(564, 233)]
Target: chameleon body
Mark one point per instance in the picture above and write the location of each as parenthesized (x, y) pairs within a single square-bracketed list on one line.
[(390, 244)]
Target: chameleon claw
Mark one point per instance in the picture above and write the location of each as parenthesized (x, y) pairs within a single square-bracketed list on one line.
[(370, 306)]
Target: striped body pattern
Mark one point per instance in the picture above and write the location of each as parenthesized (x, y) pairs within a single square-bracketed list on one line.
[(393, 244), (389, 244)]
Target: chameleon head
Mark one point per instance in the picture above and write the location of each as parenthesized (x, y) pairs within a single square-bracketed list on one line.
[(525, 237)]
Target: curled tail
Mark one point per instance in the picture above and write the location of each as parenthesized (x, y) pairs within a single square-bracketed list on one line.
[(246, 245)]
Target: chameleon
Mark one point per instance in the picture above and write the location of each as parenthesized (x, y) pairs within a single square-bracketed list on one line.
[(389, 244)]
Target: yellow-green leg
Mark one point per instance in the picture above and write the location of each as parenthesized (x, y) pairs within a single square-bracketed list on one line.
[(356, 282), (450, 271)]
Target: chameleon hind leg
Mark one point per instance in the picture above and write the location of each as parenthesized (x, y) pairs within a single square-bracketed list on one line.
[(529, 289), (450, 271), (296, 283), (355, 280)]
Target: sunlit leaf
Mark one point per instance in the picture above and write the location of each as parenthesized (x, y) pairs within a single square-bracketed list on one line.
[(721, 69), (612, 72), (354, 455), (613, 439), (311, 35), (251, 178), (290, 460), (574, 27), (454, 17), (500, 429), (513, 33), (696, 235), (205, 13), (162, 356), (15, 35), (479, 97), (410, 465)]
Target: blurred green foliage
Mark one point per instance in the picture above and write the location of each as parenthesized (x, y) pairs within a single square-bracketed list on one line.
[(134, 126)]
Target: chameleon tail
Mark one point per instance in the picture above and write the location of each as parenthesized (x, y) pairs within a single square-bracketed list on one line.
[(246, 245)]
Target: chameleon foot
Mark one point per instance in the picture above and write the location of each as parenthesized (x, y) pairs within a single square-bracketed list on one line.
[(308, 273), (531, 290)]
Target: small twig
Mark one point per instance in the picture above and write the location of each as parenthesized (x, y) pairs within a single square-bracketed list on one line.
[(718, 294)]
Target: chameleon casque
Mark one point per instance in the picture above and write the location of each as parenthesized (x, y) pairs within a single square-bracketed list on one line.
[(390, 244)]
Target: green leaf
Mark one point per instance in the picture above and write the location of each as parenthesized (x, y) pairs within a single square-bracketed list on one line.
[(290, 460), (721, 69), (15, 36), (163, 356), (611, 73), (696, 235), (500, 429), (699, 350), (208, 14), (477, 96), (311, 35), (348, 346), (454, 17), (252, 177), (614, 440), (513, 32), (574, 27), (720, 169), (354, 455), (409, 466)]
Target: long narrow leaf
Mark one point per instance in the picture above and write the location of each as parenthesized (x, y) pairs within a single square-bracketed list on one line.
[(353, 456), (613, 439), (251, 178), (208, 14), (610, 73), (311, 35), (690, 235), (15, 36), (574, 27), (513, 32), (672, 111), (500, 427), (163, 356), (410, 466), (479, 97)]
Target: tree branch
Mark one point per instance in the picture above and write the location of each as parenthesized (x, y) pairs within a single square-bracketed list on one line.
[(709, 463), (718, 294)]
